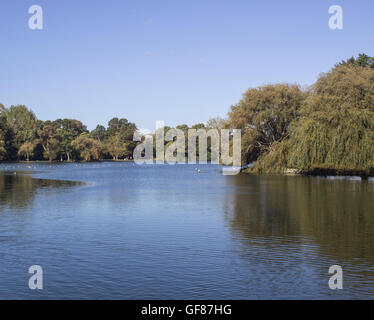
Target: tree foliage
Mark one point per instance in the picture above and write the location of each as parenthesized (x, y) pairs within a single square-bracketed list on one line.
[(23, 136), (26, 150), (88, 148), (23, 124), (363, 60), (118, 139), (7, 149), (50, 140), (335, 130), (264, 116), (68, 130), (216, 123)]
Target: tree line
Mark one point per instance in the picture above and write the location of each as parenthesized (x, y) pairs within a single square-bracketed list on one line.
[(327, 128), (24, 137)]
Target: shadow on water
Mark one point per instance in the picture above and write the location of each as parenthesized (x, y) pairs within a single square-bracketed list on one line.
[(17, 190), (336, 214)]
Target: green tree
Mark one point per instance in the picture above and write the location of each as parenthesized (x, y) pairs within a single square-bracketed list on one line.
[(88, 148), (182, 127), (26, 150), (335, 131), (7, 148), (23, 123), (264, 116), (50, 140), (116, 146), (362, 60), (98, 133), (68, 130), (198, 126), (121, 132), (116, 125), (3, 152), (216, 123)]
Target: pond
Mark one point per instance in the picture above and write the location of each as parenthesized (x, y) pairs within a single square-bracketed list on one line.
[(117, 230)]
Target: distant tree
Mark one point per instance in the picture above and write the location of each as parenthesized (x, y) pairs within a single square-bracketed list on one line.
[(68, 130), (74, 126), (115, 145), (23, 135), (26, 150), (98, 133), (362, 60), (215, 123), (115, 125), (129, 149), (120, 132), (198, 126), (182, 127), (7, 148), (88, 148), (66, 139), (23, 123), (50, 140), (3, 152)]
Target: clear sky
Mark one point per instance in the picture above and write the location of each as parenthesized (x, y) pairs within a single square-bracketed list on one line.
[(178, 61)]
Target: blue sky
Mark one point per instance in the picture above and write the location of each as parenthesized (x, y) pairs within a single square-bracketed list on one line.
[(177, 61)]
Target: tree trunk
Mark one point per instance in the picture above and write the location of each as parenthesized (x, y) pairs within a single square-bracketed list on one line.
[(68, 156)]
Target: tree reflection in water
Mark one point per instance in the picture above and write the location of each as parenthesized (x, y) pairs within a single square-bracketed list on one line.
[(336, 214), (17, 190)]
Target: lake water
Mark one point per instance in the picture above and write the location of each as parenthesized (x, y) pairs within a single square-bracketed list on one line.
[(122, 231)]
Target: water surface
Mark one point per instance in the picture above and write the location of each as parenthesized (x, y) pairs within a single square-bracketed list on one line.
[(123, 231)]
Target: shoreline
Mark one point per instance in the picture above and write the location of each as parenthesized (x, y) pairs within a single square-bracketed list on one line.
[(58, 161), (321, 172), (315, 172)]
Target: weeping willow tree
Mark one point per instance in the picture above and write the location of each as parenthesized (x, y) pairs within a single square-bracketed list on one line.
[(335, 130), (264, 115)]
